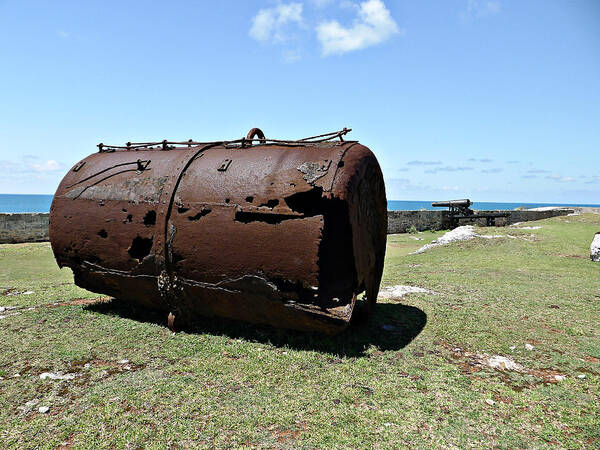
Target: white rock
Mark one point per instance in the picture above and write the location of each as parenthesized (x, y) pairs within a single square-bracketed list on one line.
[(595, 248), (463, 233), (400, 291), (43, 409), (28, 406), (503, 363), (581, 377), (27, 293), (490, 402), (559, 377), (2, 309), (529, 228), (529, 347), (124, 361), (57, 376), (512, 347)]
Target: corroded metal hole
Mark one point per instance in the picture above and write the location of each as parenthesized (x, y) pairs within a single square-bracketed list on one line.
[(150, 218), (140, 247)]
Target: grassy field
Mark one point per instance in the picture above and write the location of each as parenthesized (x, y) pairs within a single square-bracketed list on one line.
[(421, 373)]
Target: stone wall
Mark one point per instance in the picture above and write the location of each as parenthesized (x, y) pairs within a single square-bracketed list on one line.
[(401, 221), (33, 227), (23, 227)]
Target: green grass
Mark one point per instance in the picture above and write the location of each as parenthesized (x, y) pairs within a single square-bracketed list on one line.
[(405, 384)]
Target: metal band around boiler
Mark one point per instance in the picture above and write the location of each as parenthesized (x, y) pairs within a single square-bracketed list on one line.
[(167, 281)]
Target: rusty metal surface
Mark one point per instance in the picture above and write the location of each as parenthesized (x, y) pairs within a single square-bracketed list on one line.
[(285, 233)]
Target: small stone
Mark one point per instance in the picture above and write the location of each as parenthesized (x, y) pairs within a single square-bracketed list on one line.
[(57, 376), (86, 365), (512, 347), (27, 293), (2, 309), (529, 347), (43, 409), (581, 377), (503, 363), (29, 405), (16, 375), (387, 424), (458, 349), (559, 377), (490, 402), (124, 361)]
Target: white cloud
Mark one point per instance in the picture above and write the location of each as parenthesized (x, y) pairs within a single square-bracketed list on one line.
[(373, 26), (63, 34), (50, 165), (269, 24), (481, 8), (30, 165), (424, 163), (449, 169), (561, 179)]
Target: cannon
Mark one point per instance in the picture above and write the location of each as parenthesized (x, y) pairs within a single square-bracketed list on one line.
[(460, 209), (287, 233), (456, 207)]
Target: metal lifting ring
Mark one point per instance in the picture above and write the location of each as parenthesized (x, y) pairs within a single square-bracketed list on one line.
[(258, 133)]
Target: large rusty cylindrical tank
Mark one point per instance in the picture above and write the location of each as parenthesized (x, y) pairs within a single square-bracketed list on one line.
[(286, 233)]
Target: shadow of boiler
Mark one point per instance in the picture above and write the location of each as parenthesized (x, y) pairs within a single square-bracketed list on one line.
[(392, 327)]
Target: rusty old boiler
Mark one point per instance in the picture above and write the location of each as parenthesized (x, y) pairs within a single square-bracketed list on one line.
[(286, 233)]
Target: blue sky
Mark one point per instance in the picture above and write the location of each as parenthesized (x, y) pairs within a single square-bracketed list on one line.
[(494, 100)]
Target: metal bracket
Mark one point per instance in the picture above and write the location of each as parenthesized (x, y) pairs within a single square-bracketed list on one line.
[(142, 165), (224, 165), (78, 166)]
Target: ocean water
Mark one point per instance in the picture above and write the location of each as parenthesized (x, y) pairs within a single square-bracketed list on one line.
[(14, 203), (41, 203)]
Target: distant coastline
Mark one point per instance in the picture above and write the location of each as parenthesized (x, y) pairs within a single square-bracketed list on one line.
[(16, 203)]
